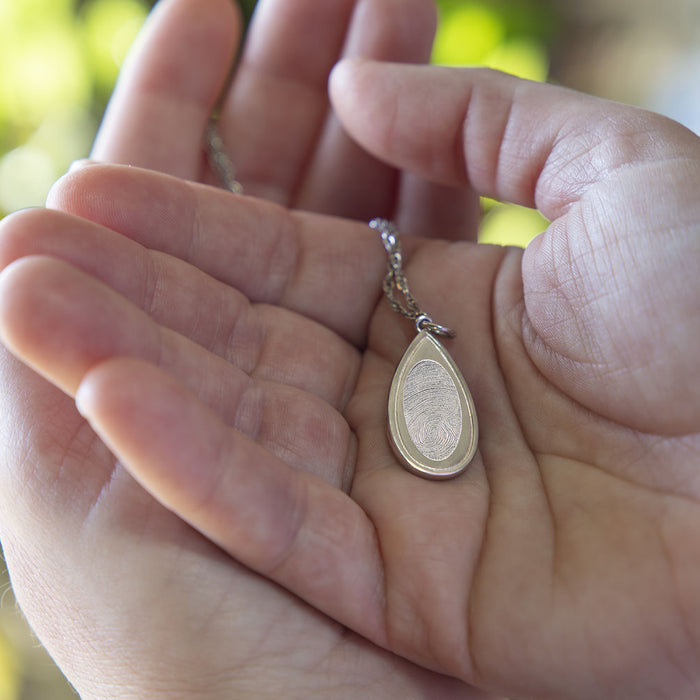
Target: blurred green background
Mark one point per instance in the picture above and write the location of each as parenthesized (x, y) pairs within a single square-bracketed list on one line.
[(59, 60)]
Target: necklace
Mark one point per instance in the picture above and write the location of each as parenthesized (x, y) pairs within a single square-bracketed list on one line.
[(431, 422), (219, 159)]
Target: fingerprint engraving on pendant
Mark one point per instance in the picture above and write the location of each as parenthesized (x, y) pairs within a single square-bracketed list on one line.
[(432, 410)]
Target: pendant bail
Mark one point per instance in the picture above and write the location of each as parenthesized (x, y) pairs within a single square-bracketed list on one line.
[(425, 323)]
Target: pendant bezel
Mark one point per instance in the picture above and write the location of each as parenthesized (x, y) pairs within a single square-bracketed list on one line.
[(426, 347)]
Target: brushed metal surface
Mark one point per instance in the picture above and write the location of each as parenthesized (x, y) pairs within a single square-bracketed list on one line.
[(432, 410), (431, 419)]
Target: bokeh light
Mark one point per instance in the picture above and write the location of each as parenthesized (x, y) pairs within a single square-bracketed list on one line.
[(26, 174), (61, 58), (9, 670), (46, 70), (109, 28), (468, 33), (59, 61), (509, 224), (510, 37)]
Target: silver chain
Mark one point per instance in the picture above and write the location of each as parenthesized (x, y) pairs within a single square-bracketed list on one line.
[(395, 281), (219, 159)]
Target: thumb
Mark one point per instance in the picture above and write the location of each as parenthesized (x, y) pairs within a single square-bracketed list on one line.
[(514, 140), (607, 290)]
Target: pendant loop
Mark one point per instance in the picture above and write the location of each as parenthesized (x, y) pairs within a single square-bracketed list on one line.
[(425, 323)]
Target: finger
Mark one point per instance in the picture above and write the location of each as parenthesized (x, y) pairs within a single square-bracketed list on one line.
[(342, 178), (170, 86), (79, 535), (282, 523), (431, 210), (278, 99), (265, 342), (514, 140), (277, 124), (327, 269), (62, 322), (588, 165)]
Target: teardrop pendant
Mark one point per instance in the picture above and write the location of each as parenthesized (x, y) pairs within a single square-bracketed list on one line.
[(432, 421)]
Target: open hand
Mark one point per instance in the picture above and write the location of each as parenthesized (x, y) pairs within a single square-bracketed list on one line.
[(130, 600), (280, 132), (240, 372)]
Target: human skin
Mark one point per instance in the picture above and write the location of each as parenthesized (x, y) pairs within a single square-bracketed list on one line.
[(104, 574), (236, 356)]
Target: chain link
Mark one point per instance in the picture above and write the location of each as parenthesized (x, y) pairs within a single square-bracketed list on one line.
[(219, 159), (396, 282)]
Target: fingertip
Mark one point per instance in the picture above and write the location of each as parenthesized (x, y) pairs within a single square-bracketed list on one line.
[(61, 321), (14, 231), (177, 24), (80, 192), (58, 196), (339, 76), (109, 382), (18, 297), (409, 116), (159, 431), (85, 397), (81, 163), (74, 187), (113, 196), (77, 167), (6, 306), (131, 404), (344, 76), (360, 92), (169, 86)]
